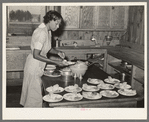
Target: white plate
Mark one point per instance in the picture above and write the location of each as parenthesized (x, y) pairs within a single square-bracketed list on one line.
[(113, 81), (54, 98), (46, 73), (59, 90), (106, 86), (73, 89), (94, 81), (122, 86), (91, 95), (73, 97), (50, 67), (109, 93), (70, 62), (127, 93), (90, 87)]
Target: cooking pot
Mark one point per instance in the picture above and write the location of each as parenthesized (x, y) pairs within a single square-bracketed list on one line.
[(66, 72)]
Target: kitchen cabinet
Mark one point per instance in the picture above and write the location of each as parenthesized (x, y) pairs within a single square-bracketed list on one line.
[(112, 17), (137, 80), (71, 16), (136, 67), (118, 16), (95, 17), (15, 61), (87, 17), (135, 37), (103, 17)]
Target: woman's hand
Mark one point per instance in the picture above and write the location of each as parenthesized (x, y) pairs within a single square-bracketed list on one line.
[(61, 54), (61, 63)]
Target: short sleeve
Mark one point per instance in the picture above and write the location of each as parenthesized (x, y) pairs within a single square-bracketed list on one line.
[(40, 39), (38, 45)]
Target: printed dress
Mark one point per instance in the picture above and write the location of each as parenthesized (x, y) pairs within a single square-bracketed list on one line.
[(31, 95)]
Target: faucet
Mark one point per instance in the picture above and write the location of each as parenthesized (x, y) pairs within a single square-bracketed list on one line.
[(93, 39)]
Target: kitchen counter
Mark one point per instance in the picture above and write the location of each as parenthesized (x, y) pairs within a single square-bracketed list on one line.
[(104, 102), (122, 53), (125, 54)]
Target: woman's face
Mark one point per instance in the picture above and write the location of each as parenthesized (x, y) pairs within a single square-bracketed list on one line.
[(54, 25)]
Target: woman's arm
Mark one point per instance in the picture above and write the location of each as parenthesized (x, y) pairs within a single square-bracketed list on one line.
[(54, 51), (59, 53), (36, 55)]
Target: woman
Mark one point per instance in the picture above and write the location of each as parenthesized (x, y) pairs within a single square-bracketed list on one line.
[(35, 63)]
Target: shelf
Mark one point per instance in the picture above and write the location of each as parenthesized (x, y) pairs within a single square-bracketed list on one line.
[(117, 66), (102, 29)]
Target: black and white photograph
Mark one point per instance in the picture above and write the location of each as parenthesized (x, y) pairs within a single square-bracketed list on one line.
[(74, 61)]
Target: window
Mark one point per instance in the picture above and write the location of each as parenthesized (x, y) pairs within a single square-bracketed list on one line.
[(22, 20)]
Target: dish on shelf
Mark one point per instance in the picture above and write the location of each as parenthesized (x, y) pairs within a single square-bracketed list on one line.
[(73, 88), (111, 80), (55, 89), (94, 81), (90, 87), (53, 98), (127, 92), (123, 85), (109, 93), (106, 86), (73, 96), (91, 95)]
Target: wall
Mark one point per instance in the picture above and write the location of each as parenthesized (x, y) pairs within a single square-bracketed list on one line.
[(83, 37), (135, 35)]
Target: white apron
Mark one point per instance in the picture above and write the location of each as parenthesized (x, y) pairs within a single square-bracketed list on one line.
[(31, 95)]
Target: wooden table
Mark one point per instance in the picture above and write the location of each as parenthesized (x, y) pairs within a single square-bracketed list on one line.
[(92, 72)]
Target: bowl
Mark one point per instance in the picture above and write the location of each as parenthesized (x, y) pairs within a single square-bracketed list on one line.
[(50, 68), (78, 70)]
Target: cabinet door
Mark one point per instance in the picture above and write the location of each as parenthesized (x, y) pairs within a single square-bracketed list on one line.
[(70, 15), (87, 18), (14, 61), (103, 17), (117, 17)]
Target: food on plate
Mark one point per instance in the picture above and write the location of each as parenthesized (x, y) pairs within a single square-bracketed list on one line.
[(127, 92), (95, 81), (91, 95), (55, 73), (123, 85), (50, 67), (109, 93), (87, 87), (55, 89), (70, 62), (73, 88), (106, 86), (111, 80), (53, 98), (73, 96), (66, 69)]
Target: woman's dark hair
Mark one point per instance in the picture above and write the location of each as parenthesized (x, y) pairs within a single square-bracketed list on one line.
[(52, 15)]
